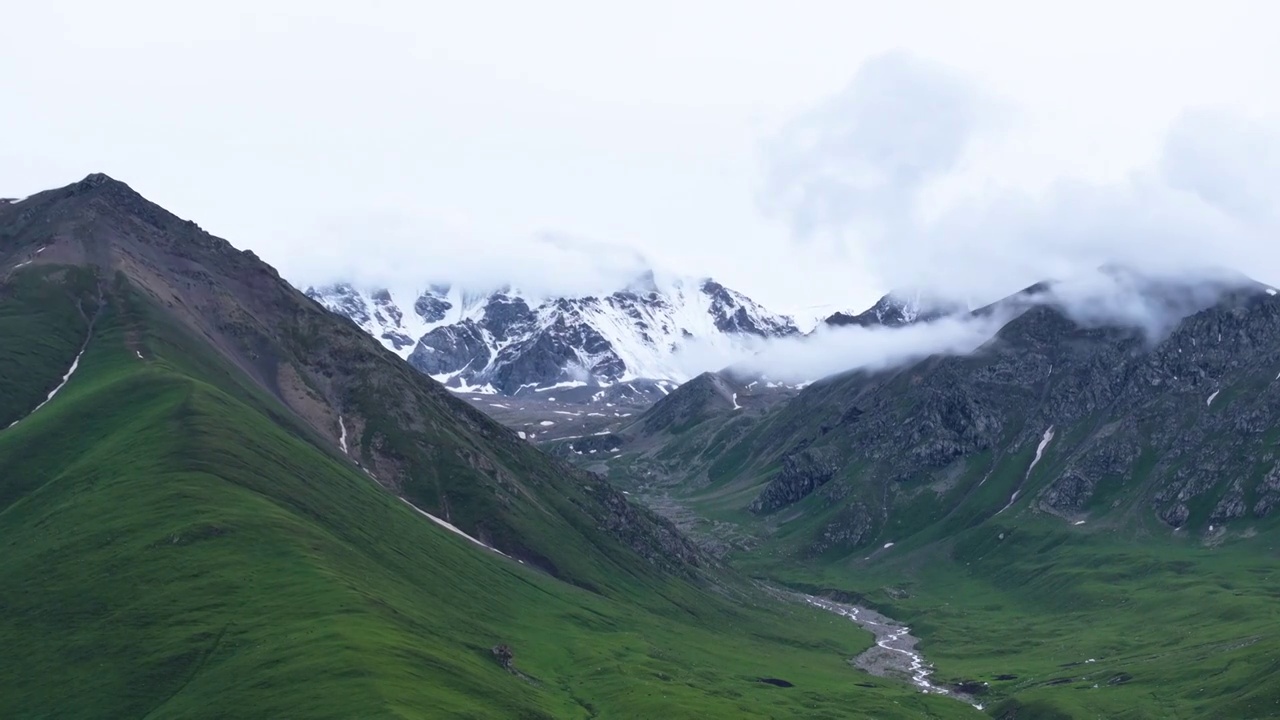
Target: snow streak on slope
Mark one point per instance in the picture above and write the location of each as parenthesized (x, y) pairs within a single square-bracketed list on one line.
[(74, 364), (453, 528)]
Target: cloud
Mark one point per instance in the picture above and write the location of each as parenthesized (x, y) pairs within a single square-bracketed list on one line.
[(832, 350), (1150, 302), (396, 250), (864, 167), (860, 159)]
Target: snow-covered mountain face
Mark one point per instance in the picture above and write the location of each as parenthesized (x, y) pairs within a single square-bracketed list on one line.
[(508, 342)]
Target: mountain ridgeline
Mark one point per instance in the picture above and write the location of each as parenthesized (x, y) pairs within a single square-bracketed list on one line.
[(219, 499), (507, 341), (1081, 420)]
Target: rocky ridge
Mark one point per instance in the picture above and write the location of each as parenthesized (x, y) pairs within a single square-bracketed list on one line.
[(507, 342)]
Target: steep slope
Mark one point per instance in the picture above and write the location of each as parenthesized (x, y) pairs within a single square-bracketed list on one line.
[(507, 342), (407, 432), (189, 534)]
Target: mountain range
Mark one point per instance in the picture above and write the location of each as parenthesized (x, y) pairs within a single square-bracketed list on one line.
[(507, 341), (221, 496)]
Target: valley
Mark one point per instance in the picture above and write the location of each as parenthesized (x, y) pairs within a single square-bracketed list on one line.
[(1045, 571), (206, 475)]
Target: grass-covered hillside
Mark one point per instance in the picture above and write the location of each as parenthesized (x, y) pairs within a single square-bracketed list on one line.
[(183, 536)]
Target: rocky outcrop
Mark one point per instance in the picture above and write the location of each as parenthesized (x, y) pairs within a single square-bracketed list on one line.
[(432, 306), (655, 539), (1267, 493), (801, 474), (735, 313), (1231, 506), (1110, 456), (852, 527), (451, 349)]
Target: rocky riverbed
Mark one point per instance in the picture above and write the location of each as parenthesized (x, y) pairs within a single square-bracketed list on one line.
[(894, 654)]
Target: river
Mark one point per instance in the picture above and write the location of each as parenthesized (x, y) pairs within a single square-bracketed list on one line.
[(894, 654)]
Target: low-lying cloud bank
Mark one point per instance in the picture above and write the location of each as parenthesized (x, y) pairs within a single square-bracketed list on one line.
[(1151, 304)]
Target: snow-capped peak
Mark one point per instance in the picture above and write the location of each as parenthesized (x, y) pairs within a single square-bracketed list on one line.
[(506, 341), (897, 309)]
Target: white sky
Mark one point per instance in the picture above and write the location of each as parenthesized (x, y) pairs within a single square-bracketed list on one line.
[(399, 140)]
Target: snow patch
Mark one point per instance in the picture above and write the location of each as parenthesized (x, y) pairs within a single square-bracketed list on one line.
[(1211, 397), (139, 353), (1044, 442), (547, 423), (736, 406), (453, 528), (342, 438), (522, 435), (561, 386), (74, 364), (888, 545)]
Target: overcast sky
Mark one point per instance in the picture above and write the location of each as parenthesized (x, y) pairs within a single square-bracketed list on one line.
[(803, 152)]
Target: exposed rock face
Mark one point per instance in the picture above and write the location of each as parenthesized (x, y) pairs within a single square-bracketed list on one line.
[(660, 543), (431, 306), (736, 314), (450, 349), (1110, 456), (1268, 493), (1172, 419), (801, 474), (1231, 506), (506, 341), (851, 527)]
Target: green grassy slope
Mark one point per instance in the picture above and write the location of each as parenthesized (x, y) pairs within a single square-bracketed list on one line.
[(1079, 621), (174, 545), (320, 376)]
